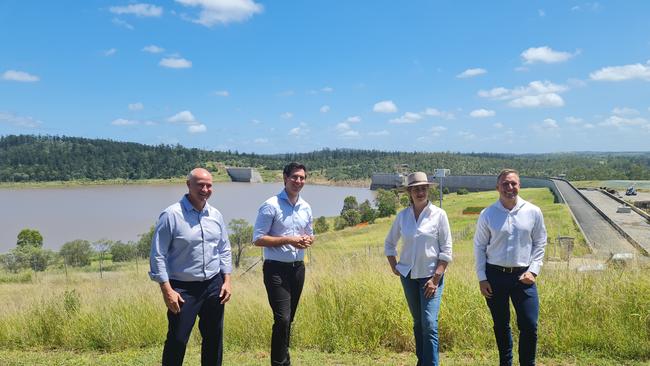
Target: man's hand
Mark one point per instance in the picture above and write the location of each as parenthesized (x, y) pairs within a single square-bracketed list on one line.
[(302, 242), (173, 299), (527, 278), (226, 290), (486, 289)]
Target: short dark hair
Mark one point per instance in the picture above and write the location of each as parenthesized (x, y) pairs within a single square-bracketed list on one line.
[(505, 172), (289, 168)]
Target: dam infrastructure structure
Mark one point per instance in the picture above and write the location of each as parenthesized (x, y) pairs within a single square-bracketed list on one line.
[(387, 181), (606, 231), (250, 175)]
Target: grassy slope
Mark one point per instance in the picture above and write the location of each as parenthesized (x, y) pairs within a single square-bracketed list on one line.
[(352, 311)]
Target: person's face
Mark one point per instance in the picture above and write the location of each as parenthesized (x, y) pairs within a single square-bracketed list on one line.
[(200, 188), (508, 186), (295, 181), (419, 194)]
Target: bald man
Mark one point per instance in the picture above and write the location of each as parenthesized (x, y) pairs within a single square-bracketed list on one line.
[(191, 260)]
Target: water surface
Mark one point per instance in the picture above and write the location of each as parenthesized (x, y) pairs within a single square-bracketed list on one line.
[(122, 212)]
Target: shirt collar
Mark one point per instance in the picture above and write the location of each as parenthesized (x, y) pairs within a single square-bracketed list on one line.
[(283, 195), (518, 205), (187, 205)]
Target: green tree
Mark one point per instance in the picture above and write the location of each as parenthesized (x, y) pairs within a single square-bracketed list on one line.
[(339, 223), (122, 252), (434, 193), (241, 236), (321, 225), (76, 253), (404, 200), (368, 213), (143, 246), (386, 203), (29, 237), (10, 262), (351, 217), (37, 259), (349, 203)]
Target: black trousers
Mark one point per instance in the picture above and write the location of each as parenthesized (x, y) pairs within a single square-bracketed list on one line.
[(284, 282), (202, 299)]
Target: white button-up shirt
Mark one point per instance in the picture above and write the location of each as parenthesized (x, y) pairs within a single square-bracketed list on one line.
[(424, 241), (510, 238)]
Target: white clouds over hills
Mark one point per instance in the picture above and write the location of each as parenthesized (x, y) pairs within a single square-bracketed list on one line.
[(621, 73), (544, 54), (535, 94)]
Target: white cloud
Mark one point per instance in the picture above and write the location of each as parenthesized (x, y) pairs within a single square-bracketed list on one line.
[(625, 111), (550, 123), (408, 117), (153, 49), (498, 125), (618, 121), (215, 12), (535, 94), (325, 109), (286, 115), (379, 133), (183, 117), (350, 134), (200, 128), (471, 73), (175, 63), (110, 52), (621, 73), (342, 126), (385, 106), (136, 106), (353, 119), (222, 93), (140, 10), (13, 75), (124, 122), (432, 112), (573, 120), (544, 54), (122, 23), (467, 135), (482, 113), (261, 140), (345, 130), (298, 131), (536, 101), (437, 130), (327, 89), (19, 121)]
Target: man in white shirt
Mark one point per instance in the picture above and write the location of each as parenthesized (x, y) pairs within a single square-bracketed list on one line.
[(509, 249)]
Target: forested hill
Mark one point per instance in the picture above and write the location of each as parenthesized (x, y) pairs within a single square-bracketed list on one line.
[(47, 158)]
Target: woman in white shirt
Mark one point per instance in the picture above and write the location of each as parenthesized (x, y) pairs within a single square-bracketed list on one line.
[(426, 251)]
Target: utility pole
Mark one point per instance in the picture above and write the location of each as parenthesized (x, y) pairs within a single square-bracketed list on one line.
[(440, 175)]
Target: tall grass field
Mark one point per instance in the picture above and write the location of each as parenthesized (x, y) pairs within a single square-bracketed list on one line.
[(352, 312)]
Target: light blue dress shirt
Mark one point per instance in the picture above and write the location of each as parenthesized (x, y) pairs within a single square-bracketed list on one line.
[(278, 217), (189, 245), (510, 238)]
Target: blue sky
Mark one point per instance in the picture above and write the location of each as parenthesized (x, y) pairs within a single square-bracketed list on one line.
[(297, 76)]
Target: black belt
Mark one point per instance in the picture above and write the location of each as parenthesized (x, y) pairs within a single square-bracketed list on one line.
[(507, 269), (284, 264)]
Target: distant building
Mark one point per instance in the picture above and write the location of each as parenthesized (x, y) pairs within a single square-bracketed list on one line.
[(387, 181), (250, 175)]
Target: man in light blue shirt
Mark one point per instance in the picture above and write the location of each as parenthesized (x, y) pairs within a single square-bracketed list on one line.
[(284, 228), (509, 249), (191, 260)]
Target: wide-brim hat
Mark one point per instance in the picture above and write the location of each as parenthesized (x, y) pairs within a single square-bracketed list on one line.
[(417, 179)]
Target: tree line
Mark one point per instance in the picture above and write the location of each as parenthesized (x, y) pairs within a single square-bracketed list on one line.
[(35, 158)]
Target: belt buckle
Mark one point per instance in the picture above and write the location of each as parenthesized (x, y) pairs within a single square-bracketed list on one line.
[(508, 269)]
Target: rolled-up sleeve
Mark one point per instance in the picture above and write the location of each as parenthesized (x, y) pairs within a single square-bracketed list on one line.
[(538, 237), (162, 238), (263, 221), (481, 241), (444, 238), (390, 243)]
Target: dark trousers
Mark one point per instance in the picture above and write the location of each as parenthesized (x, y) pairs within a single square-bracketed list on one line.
[(202, 299), (283, 282), (505, 287)]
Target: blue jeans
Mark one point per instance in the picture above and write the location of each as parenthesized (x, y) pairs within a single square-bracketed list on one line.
[(506, 287), (425, 318)]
